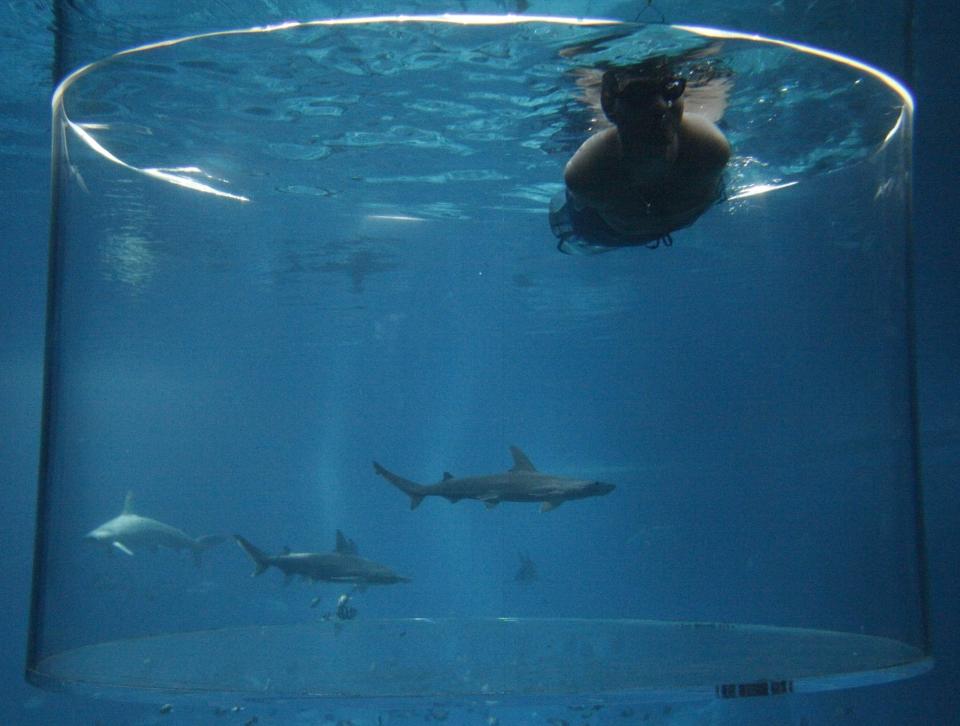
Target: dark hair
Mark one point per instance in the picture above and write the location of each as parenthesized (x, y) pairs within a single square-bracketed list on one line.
[(654, 72)]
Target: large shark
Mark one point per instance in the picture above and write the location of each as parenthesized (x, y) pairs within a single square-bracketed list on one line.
[(128, 531), (341, 565), (522, 483)]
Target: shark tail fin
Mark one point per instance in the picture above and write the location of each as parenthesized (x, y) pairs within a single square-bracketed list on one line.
[(415, 491), (260, 559)]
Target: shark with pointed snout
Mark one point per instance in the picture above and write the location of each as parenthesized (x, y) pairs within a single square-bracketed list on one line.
[(522, 483), (128, 531), (341, 565)]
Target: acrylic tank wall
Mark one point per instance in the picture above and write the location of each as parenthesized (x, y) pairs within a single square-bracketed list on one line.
[(290, 260)]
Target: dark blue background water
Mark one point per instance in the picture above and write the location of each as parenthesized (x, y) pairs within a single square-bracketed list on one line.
[(924, 701)]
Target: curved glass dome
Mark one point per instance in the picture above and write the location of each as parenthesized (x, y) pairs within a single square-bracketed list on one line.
[(280, 253)]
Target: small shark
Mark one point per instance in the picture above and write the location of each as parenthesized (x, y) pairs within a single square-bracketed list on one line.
[(129, 530), (527, 571), (522, 483), (341, 565)]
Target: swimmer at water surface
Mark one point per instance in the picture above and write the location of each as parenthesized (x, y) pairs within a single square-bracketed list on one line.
[(656, 170)]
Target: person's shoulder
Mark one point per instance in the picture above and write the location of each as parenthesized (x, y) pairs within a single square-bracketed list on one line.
[(601, 147), (703, 142), (593, 161)]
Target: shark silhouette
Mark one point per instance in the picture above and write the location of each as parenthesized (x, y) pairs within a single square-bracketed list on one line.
[(128, 531), (527, 572), (341, 565), (522, 483)]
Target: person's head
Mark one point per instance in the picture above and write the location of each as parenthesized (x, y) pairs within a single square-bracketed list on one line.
[(646, 100)]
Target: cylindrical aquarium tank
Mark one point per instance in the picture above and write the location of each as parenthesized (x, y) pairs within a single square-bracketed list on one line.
[(325, 309)]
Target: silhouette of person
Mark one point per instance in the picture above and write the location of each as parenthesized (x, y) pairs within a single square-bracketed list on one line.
[(657, 169)]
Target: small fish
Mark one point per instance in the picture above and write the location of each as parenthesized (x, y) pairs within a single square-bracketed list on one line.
[(344, 610)]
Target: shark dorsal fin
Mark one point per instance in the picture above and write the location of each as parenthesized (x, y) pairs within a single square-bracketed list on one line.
[(345, 545), (520, 460), (128, 503), (447, 476)]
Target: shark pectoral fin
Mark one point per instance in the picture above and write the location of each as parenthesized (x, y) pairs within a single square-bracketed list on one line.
[(491, 499), (550, 504), (122, 547)]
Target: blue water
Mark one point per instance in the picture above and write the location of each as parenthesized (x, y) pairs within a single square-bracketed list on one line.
[(393, 340)]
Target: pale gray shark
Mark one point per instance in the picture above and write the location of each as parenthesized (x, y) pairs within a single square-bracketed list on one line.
[(128, 531), (522, 483), (341, 565)]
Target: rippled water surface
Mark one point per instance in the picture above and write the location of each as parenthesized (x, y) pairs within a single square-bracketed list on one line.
[(400, 118)]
